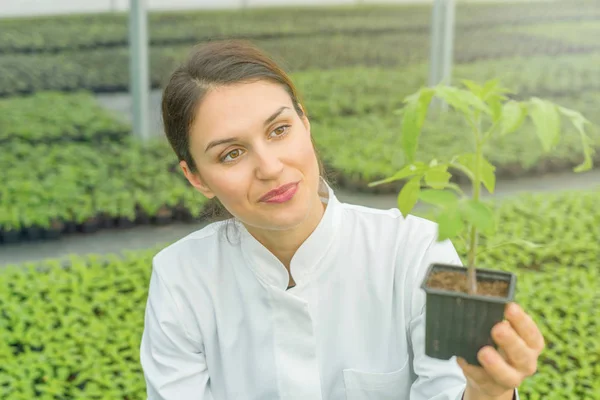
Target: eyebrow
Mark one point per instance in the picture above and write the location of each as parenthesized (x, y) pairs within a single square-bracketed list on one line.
[(235, 139)]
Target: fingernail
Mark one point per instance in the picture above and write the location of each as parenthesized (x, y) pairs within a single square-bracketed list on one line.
[(487, 355), (513, 309)]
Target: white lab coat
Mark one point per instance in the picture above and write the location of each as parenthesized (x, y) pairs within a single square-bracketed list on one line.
[(220, 324)]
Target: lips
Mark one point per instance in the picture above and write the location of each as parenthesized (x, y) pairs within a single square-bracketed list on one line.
[(277, 191)]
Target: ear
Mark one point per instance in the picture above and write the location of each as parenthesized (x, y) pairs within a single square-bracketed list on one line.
[(195, 180)]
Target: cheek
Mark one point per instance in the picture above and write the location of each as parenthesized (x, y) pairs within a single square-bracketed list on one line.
[(303, 150), (228, 183)]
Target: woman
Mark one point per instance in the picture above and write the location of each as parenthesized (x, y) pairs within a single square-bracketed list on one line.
[(297, 296)]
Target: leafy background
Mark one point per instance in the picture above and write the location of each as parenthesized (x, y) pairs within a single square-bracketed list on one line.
[(71, 330)]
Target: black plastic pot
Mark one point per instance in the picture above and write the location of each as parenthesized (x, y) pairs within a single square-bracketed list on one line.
[(33, 233), (105, 221), (52, 233), (141, 216), (162, 220), (10, 236), (125, 223), (70, 227), (459, 324), (181, 213), (90, 226)]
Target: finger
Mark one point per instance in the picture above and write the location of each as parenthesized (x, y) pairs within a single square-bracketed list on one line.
[(474, 373), (498, 368), (514, 348), (525, 327), (479, 378)]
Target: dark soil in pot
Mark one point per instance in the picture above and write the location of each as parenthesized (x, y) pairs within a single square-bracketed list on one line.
[(459, 324)]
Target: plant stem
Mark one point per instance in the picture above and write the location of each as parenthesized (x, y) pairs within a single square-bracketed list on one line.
[(471, 274)]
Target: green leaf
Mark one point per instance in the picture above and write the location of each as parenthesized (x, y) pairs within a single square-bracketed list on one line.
[(486, 169), (462, 100), (415, 112), (488, 176), (493, 94), (479, 215), (440, 198), (579, 122), (513, 115), (474, 87), (437, 177), (409, 195), (493, 88), (450, 224), (546, 119), (495, 103), (417, 168)]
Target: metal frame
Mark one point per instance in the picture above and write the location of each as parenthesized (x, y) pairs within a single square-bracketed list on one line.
[(442, 44), (138, 68)]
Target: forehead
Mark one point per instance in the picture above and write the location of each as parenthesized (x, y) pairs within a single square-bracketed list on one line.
[(233, 108)]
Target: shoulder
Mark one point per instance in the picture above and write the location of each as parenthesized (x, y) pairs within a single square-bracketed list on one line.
[(411, 226), (411, 239), (190, 250)]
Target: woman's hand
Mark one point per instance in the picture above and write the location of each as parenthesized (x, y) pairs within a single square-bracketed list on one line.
[(520, 343)]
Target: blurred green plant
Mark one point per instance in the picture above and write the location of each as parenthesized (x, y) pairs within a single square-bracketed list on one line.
[(488, 112), (73, 326)]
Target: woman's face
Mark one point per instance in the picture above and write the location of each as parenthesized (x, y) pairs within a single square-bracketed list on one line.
[(247, 140)]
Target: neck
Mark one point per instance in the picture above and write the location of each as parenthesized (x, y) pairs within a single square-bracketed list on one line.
[(284, 244)]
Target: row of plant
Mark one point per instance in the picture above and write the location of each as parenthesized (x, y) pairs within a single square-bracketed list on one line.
[(361, 90), (108, 70), (58, 188), (330, 95), (52, 34), (364, 148), (114, 187), (62, 188), (583, 33), (50, 117), (72, 327)]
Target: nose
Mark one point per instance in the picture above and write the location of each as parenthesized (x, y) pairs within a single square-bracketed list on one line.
[(268, 163)]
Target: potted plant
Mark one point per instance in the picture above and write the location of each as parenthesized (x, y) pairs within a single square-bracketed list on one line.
[(85, 214), (126, 206), (463, 304), (56, 225), (10, 225), (145, 206)]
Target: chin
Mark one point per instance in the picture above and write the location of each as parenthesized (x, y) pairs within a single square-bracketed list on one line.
[(288, 216)]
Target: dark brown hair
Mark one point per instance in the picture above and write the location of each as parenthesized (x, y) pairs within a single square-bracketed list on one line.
[(209, 65)]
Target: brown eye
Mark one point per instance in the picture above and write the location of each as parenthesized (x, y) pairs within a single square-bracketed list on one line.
[(280, 131), (232, 155)]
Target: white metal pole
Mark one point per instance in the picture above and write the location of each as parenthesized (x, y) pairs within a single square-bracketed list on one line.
[(435, 42), (442, 45), (449, 29), (139, 76)]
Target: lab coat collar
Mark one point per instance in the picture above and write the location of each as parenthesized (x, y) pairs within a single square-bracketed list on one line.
[(271, 271)]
